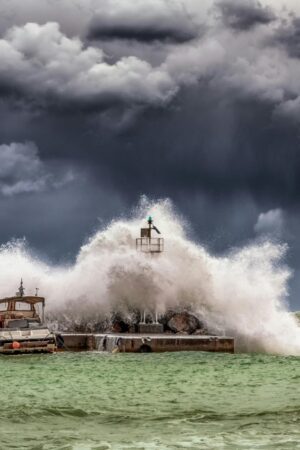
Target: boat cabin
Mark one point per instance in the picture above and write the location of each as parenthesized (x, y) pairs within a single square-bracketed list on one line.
[(22, 311), (21, 325)]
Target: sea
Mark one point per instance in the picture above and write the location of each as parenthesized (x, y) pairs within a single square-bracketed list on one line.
[(195, 400)]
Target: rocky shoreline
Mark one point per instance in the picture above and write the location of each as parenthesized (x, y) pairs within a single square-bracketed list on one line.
[(182, 322)]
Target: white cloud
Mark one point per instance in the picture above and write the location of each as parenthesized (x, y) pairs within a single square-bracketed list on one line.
[(42, 62), (270, 223), (22, 170)]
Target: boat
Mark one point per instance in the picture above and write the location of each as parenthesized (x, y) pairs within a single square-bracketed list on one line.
[(22, 329)]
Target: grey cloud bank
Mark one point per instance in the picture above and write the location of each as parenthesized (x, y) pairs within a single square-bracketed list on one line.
[(196, 101), (41, 63), (51, 70), (161, 21)]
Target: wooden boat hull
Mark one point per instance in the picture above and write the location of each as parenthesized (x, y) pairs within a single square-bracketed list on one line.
[(27, 341), (9, 348)]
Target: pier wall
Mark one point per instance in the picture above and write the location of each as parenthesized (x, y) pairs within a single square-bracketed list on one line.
[(138, 343), (76, 341)]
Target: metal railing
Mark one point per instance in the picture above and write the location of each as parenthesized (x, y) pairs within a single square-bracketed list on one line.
[(150, 245)]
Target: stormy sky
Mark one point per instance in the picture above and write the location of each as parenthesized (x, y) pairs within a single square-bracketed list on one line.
[(102, 101)]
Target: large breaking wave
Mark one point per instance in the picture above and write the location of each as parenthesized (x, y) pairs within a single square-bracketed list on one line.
[(242, 294)]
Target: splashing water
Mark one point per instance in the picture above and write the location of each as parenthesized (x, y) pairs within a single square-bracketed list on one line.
[(243, 294)]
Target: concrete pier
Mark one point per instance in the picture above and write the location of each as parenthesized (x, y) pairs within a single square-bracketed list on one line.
[(142, 343), (76, 341)]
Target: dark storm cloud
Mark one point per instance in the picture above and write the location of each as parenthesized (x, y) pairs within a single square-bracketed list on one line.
[(210, 120), (49, 69), (244, 14), (110, 98), (165, 22), (288, 36)]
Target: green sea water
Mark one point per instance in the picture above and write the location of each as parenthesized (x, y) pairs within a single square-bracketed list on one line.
[(97, 401)]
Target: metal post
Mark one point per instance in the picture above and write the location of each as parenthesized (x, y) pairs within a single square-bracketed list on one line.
[(150, 249), (149, 236)]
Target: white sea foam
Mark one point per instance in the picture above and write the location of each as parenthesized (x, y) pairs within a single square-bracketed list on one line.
[(242, 294)]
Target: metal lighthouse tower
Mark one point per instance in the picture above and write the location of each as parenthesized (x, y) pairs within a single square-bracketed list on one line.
[(150, 245)]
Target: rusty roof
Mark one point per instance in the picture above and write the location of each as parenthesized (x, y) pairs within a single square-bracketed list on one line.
[(29, 299)]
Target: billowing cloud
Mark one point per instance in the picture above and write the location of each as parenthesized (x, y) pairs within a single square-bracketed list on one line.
[(40, 62), (163, 21), (244, 14), (22, 171), (51, 70)]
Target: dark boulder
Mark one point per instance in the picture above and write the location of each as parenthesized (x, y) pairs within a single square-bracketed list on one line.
[(183, 322), (119, 326)]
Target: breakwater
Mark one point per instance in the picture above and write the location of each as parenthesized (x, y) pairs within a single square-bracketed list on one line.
[(143, 343)]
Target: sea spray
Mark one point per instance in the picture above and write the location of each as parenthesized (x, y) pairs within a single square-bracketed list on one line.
[(242, 294)]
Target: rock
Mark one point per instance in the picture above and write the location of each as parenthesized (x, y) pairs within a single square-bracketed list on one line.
[(200, 332), (183, 322), (173, 321), (164, 319), (119, 326)]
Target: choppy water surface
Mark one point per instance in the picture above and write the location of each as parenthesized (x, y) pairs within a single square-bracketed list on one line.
[(94, 401)]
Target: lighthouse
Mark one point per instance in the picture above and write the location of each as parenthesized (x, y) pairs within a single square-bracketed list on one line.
[(147, 243), (150, 245)]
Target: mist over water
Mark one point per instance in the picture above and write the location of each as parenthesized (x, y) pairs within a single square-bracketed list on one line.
[(242, 294)]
